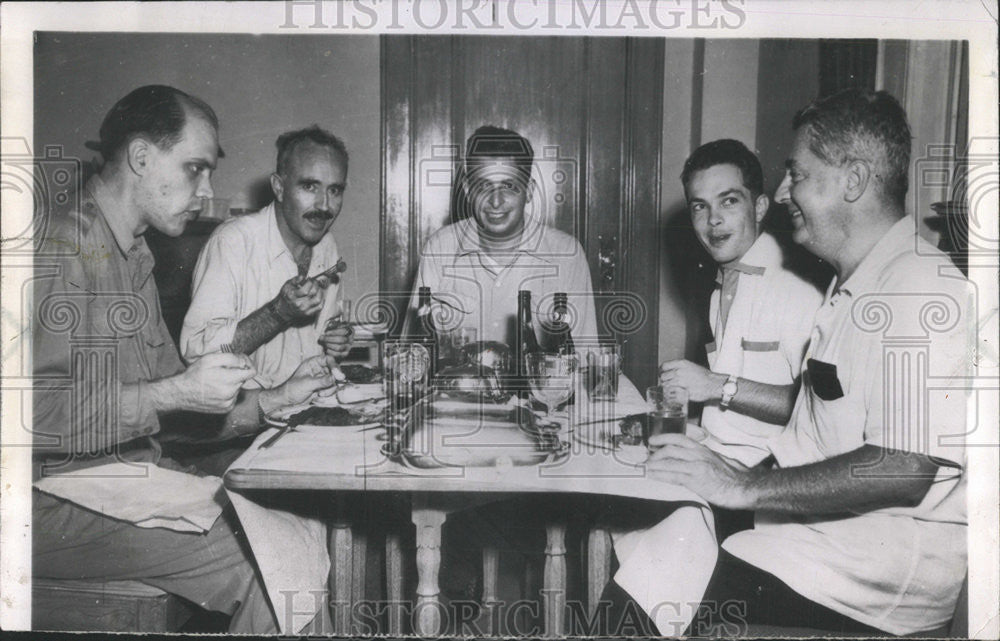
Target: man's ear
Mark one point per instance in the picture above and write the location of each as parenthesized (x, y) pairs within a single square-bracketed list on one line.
[(137, 154), (531, 188), (760, 207), (859, 176), (278, 187)]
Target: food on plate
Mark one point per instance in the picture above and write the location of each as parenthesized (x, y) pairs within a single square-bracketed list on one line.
[(351, 394), (491, 354), (471, 383), (361, 374), (317, 415), (497, 437)]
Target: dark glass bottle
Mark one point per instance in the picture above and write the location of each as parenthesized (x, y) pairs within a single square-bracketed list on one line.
[(527, 342), (425, 331), (560, 339)]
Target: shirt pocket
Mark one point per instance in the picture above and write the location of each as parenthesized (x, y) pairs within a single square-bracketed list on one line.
[(454, 303), (764, 362), (161, 354)]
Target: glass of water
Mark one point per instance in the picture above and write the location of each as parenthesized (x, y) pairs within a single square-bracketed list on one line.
[(551, 378), (668, 411), (604, 366)]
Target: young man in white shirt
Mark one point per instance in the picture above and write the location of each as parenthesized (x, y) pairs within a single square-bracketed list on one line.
[(761, 312)]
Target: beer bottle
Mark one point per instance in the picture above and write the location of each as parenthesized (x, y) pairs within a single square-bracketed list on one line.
[(560, 340), (527, 343), (426, 332)]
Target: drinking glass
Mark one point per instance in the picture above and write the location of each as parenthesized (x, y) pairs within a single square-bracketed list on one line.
[(668, 411), (452, 341), (550, 377), (407, 369), (603, 369)]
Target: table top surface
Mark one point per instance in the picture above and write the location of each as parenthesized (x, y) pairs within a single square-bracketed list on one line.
[(352, 458)]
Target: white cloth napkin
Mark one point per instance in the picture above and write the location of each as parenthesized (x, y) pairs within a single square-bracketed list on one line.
[(666, 568), (291, 553), (144, 495)]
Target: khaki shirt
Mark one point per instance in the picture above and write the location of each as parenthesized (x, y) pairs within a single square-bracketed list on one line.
[(98, 335)]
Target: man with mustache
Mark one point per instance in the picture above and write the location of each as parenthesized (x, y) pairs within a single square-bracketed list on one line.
[(254, 290)]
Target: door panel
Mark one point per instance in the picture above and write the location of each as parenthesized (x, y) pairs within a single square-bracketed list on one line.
[(592, 109)]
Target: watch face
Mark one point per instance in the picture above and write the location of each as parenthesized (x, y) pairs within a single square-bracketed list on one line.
[(729, 388)]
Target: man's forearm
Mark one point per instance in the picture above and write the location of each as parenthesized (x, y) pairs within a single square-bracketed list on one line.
[(764, 402), (256, 329), (864, 479)]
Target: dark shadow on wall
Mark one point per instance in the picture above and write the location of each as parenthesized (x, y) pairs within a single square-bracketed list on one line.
[(693, 275), (260, 193)]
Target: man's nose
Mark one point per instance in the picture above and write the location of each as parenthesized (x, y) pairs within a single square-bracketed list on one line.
[(784, 194), (495, 197), (205, 187), (714, 217), (323, 200)]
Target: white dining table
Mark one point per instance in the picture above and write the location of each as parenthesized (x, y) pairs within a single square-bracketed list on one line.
[(344, 460)]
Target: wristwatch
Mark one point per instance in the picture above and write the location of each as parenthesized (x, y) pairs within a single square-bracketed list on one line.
[(729, 389)]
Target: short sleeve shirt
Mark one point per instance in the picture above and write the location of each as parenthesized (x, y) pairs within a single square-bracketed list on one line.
[(886, 347), (764, 340)]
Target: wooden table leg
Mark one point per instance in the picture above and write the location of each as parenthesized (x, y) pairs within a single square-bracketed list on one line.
[(359, 567), (491, 564), (598, 565), (554, 588), (394, 580), (428, 609), (341, 572)]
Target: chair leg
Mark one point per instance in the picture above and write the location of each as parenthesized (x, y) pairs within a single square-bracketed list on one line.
[(554, 592), (359, 564)]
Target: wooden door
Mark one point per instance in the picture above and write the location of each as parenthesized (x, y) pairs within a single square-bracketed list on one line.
[(592, 109)]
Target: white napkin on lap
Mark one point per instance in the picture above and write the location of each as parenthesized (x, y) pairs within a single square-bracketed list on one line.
[(291, 553), (158, 498), (666, 568)]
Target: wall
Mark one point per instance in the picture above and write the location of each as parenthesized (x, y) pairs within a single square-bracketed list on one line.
[(710, 92), (260, 86)]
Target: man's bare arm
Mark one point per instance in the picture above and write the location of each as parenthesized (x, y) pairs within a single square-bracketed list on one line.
[(867, 478), (762, 401), (257, 329), (297, 300)]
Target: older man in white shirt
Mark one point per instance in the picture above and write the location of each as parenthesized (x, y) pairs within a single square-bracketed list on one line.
[(253, 288), (861, 526)]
